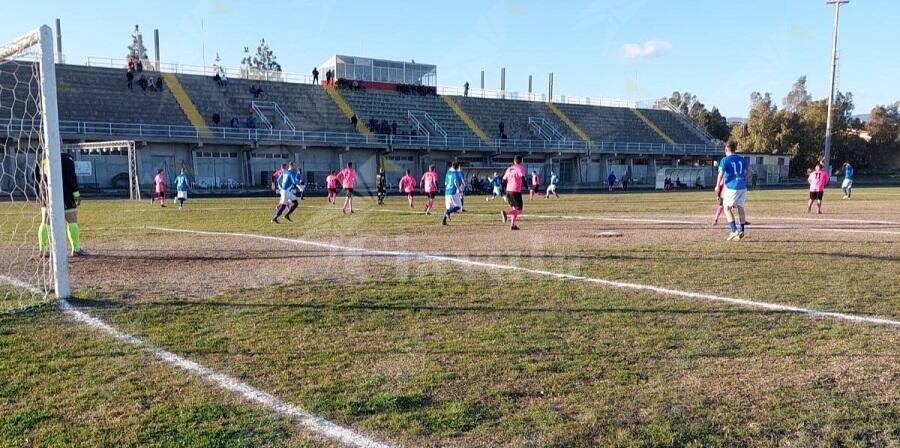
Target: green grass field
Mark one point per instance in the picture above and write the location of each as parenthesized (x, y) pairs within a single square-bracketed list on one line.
[(413, 351)]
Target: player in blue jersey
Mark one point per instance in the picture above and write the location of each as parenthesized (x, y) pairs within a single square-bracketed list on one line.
[(286, 184), (453, 187), (496, 187), (551, 189), (847, 185), (182, 183), (732, 174)]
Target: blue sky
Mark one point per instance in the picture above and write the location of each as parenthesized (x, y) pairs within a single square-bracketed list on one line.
[(632, 49)]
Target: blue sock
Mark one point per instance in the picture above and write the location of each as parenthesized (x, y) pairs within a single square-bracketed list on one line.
[(279, 211), (291, 210), (452, 210), (733, 226), (742, 227)]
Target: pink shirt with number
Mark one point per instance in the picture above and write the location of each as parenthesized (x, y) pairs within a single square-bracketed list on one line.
[(347, 177), (407, 184), (514, 177), (817, 181), (331, 182), (430, 181), (160, 182)]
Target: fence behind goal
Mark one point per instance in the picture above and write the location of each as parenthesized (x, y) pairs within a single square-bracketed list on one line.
[(29, 133)]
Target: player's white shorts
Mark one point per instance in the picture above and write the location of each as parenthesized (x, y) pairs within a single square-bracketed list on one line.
[(497, 191), (451, 201), (181, 195), (551, 189), (287, 197), (733, 198), (848, 183)]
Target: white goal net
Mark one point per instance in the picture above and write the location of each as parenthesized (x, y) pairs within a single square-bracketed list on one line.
[(32, 242)]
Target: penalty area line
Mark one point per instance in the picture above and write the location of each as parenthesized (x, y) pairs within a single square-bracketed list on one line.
[(747, 303), (273, 403)]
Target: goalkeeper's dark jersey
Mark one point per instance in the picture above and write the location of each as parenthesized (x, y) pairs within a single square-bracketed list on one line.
[(69, 180)]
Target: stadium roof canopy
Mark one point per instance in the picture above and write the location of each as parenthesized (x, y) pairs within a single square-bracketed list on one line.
[(381, 70)]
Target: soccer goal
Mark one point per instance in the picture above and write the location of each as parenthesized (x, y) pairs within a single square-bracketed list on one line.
[(32, 210)]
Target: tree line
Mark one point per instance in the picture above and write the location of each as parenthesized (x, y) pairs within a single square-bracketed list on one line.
[(797, 128)]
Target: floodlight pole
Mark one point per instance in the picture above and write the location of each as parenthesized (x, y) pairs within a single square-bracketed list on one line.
[(837, 12)]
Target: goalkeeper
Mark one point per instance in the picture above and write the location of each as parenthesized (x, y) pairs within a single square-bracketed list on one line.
[(71, 200)]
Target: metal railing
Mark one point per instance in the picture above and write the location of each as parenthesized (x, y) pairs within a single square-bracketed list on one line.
[(417, 116), (685, 119), (420, 128), (15, 128), (260, 107), (240, 73), (546, 130)]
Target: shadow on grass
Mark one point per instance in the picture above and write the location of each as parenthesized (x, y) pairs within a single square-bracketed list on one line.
[(441, 310)]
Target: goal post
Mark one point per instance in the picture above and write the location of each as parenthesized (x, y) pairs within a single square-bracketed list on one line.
[(29, 134)]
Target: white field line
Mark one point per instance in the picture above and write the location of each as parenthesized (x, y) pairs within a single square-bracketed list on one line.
[(315, 424), (615, 284), (797, 218)]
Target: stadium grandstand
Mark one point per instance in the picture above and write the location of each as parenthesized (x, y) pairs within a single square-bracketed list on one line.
[(232, 131)]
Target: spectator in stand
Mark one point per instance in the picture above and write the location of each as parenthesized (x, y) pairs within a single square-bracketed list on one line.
[(502, 127), (373, 125), (159, 83), (129, 77), (151, 83), (354, 120), (315, 74), (143, 83), (624, 182), (139, 66), (385, 127), (394, 128), (466, 89), (130, 64), (251, 122), (256, 90), (235, 123), (216, 118)]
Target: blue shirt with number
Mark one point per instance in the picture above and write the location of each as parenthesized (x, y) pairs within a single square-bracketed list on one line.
[(288, 180), (733, 167), (451, 180), (181, 182), (848, 172)]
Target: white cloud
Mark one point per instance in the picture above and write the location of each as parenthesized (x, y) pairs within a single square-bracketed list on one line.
[(648, 49)]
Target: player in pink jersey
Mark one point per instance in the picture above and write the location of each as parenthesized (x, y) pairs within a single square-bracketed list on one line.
[(429, 187), (408, 186), (535, 185), (817, 180), (331, 185), (720, 209), (514, 178), (160, 183), (347, 178)]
